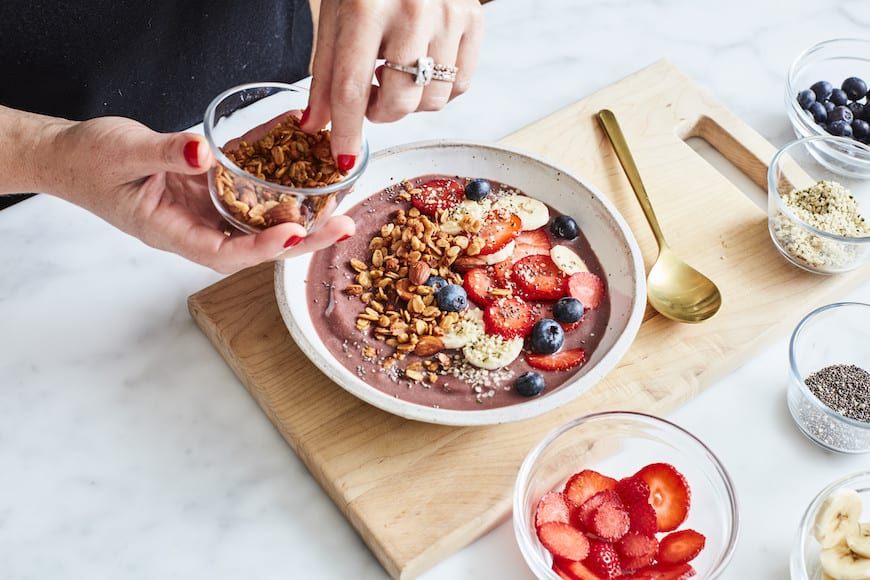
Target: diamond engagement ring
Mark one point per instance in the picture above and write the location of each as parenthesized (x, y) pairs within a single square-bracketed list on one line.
[(426, 71)]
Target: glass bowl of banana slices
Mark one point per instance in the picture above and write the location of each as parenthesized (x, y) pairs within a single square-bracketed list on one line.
[(833, 541)]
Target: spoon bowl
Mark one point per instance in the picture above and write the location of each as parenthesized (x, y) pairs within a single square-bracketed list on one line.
[(674, 288)]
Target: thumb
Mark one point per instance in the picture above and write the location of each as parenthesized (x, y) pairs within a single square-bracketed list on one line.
[(186, 153)]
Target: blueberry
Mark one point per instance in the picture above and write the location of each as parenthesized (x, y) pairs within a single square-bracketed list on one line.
[(451, 298), (860, 129), (823, 90), (437, 282), (477, 189), (568, 310), (854, 88), (805, 98), (840, 129), (529, 384), (565, 227), (840, 113), (829, 106), (547, 336), (838, 97), (817, 110), (857, 109)]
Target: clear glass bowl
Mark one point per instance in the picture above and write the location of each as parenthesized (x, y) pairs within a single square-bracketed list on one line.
[(617, 444), (804, 564), (802, 164), (241, 198), (832, 60), (834, 334)]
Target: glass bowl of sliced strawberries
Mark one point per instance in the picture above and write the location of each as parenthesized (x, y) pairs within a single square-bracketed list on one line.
[(624, 495)]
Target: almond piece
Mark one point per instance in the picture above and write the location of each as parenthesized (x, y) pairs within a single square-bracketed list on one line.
[(428, 345), (419, 273), (282, 213)]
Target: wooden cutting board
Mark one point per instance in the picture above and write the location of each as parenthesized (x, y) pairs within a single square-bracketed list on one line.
[(417, 492)]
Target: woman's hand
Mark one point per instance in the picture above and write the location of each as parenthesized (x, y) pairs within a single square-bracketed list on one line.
[(353, 34), (153, 186)]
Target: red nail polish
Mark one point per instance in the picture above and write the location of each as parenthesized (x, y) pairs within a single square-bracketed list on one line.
[(346, 162), (292, 241), (191, 153), (343, 238), (305, 114)]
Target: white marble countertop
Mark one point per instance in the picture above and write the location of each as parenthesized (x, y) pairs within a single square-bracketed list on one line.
[(128, 449)]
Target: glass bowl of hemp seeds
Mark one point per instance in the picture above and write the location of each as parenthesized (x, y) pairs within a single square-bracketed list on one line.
[(818, 197), (829, 376)]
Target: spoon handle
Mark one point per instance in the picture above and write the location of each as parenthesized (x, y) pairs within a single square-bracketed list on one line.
[(620, 146)]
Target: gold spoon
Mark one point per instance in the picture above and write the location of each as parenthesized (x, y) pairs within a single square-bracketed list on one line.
[(674, 288)]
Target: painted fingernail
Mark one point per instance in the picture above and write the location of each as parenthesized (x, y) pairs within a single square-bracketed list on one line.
[(191, 153), (292, 241), (344, 237), (305, 114), (346, 162)]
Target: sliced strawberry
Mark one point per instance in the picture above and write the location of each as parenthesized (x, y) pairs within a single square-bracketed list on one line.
[(537, 238), (563, 540), (437, 194), (537, 277), (477, 283), (508, 317), (642, 518), (587, 288), (662, 572), (609, 522), (499, 229), (583, 516), (560, 567), (586, 483), (670, 495), (523, 250), (632, 490), (680, 547), (501, 273), (636, 550), (603, 559), (558, 361), (577, 571), (552, 507)]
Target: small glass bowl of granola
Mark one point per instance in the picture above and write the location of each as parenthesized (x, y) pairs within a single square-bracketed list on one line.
[(268, 171), (818, 189)]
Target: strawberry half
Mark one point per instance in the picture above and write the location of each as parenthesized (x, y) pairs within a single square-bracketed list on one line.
[(587, 288), (558, 361), (499, 229), (508, 317), (563, 540), (670, 495), (586, 483), (603, 560), (537, 277), (477, 283), (680, 547), (437, 195), (552, 507), (662, 572)]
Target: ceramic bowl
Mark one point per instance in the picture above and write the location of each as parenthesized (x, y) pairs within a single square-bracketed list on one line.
[(606, 231), (805, 561), (617, 444), (821, 162), (246, 201), (833, 61), (832, 335)]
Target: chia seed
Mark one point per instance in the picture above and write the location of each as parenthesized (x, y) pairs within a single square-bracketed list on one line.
[(843, 388)]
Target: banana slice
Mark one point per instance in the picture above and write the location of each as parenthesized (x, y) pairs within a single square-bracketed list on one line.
[(466, 210), (467, 329), (500, 256), (860, 542), (842, 563), (532, 212), (492, 352), (567, 260), (838, 518)]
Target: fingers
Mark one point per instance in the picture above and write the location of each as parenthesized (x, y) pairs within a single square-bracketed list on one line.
[(184, 153)]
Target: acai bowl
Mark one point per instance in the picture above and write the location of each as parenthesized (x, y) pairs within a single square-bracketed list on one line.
[(419, 198)]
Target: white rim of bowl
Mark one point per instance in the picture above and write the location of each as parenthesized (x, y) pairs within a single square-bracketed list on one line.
[(773, 190), (346, 181), (792, 363), (519, 518), (791, 91)]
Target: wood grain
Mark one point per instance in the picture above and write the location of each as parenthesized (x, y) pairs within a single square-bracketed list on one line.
[(417, 492)]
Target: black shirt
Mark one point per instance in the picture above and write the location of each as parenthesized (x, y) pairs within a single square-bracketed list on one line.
[(159, 62)]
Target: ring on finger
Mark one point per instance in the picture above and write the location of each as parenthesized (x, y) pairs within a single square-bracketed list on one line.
[(426, 70)]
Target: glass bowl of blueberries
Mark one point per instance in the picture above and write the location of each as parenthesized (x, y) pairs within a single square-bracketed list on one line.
[(826, 90)]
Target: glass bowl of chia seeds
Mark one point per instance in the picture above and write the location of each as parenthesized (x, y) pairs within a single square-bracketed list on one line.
[(829, 377), (818, 197)]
